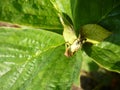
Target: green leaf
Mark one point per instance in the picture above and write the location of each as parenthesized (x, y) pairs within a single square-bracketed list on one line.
[(63, 6), (111, 21), (106, 55), (107, 15), (107, 52), (92, 12), (94, 33), (33, 59), (88, 65), (30, 13), (68, 32)]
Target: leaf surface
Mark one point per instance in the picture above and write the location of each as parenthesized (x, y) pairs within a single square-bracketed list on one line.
[(30, 13), (34, 59), (94, 33), (106, 14)]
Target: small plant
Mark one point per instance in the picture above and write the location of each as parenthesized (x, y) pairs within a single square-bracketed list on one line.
[(42, 41)]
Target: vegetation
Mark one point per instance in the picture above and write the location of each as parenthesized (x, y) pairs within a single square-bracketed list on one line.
[(32, 46)]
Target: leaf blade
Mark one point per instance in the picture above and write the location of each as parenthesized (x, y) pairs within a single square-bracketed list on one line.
[(37, 67), (29, 14)]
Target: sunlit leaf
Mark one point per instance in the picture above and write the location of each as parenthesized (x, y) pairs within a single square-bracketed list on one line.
[(94, 33), (34, 59)]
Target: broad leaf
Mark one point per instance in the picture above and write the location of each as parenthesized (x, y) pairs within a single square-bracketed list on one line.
[(38, 13), (106, 55), (107, 14), (88, 65), (107, 52), (34, 60), (63, 6), (94, 33), (87, 12)]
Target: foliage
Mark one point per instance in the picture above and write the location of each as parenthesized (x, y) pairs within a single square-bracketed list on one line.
[(32, 47)]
